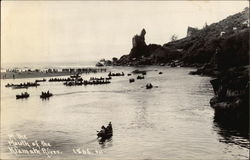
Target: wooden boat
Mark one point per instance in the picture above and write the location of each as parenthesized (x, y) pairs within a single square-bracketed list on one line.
[(22, 95), (115, 74), (139, 72), (45, 95), (40, 80), (140, 77), (9, 85), (19, 87), (25, 85), (131, 80), (104, 135), (149, 86)]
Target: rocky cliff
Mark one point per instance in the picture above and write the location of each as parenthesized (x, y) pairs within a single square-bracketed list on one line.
[(199, 47)]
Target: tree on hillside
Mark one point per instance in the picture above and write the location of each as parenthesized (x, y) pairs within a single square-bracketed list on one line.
[(174, 37), (205, 25), (114, 59)]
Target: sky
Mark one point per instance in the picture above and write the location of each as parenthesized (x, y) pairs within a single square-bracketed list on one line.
[(78, 31)]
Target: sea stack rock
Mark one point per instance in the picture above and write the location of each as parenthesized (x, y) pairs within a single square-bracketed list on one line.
[(139, 46)]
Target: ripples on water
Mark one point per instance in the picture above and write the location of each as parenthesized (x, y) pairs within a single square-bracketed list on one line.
[(173, 121)]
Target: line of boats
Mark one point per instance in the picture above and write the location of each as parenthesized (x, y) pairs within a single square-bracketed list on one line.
[(22, 85), (63, 79), (75, 80), (91, 82), (115, 74)]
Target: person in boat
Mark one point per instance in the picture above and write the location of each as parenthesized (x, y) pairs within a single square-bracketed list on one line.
[(149, 85), (103, 129), (47, 92), (109, 128)]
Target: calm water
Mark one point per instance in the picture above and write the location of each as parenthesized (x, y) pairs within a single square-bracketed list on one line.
[(173, 121)]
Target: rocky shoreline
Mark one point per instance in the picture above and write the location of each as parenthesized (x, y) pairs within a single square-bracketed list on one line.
[(220, 50)]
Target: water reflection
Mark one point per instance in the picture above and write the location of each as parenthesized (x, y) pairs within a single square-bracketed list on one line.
[(232, 133), (105, 143)]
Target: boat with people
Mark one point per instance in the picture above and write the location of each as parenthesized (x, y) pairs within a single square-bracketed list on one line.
[(40, 80), (149, 86), (140, 77), (139, 72), (25, 85), (86, 82), (22, 85), (60, 79), (22, 95), (115, 74), (131, 80), (75, 76), (105, 132), (9, 85), (45, 95)]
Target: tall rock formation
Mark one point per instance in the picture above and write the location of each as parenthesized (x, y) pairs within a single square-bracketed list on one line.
[(139, 46)]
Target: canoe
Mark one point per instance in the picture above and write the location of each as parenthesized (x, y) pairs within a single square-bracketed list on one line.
[(22, 96), (46, 95)]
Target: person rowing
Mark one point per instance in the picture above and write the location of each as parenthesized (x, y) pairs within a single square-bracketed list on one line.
[(109, 128), (105, 133)]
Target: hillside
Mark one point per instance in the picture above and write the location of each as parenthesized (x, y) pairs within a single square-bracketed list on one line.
[(197, 48)]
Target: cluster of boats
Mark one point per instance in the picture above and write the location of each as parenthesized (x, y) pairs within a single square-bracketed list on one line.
[(22, 85), (141, 76), (85, 82), (75, 80)]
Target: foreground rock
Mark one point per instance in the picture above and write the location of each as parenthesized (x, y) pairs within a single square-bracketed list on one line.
[(231, 100)]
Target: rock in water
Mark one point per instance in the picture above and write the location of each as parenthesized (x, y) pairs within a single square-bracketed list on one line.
[(139, 46)]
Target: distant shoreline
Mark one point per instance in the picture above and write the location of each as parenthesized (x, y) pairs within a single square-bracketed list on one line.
[(15, 74), (21, 75)]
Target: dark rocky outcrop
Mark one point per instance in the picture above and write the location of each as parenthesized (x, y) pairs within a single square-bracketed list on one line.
[(231, 100), (139, 46)]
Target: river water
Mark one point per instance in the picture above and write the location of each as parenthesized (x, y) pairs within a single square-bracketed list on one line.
[(171, 121)]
